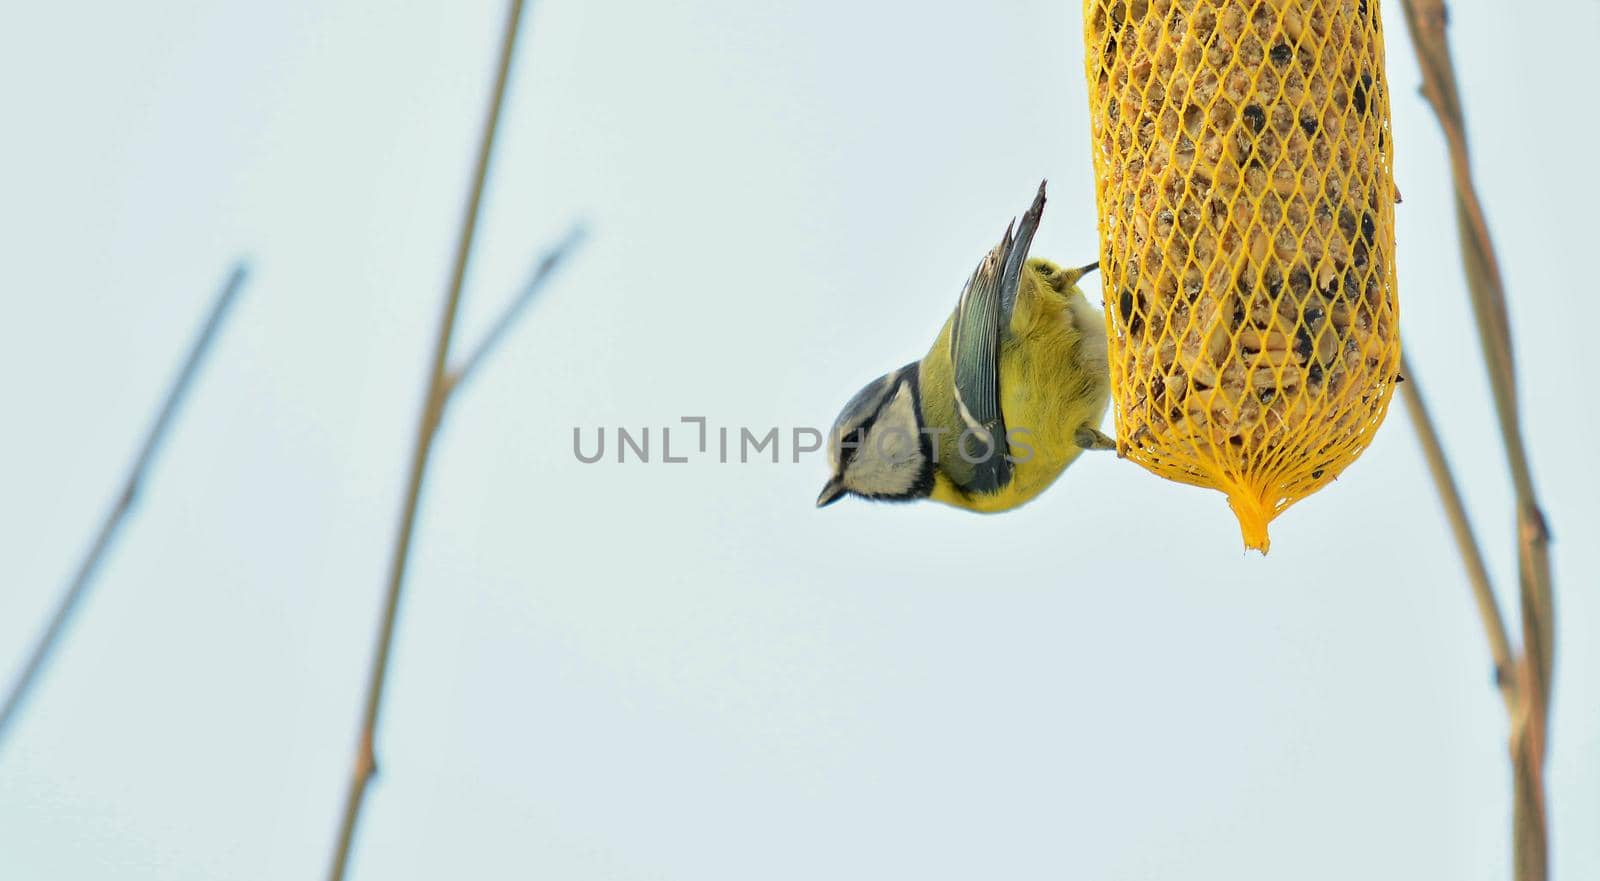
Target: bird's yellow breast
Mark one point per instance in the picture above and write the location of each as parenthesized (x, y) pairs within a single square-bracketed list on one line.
[(1052, 381)]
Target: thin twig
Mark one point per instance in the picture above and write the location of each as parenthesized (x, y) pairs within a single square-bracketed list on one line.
[(432, 411), (1426, 21), (543, 270), (84, 576), (1455, 511)]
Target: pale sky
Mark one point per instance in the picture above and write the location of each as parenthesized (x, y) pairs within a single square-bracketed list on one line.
[(685, 671)]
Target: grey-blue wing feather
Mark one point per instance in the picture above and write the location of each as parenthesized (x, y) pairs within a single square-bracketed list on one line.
[(975, 356), (1017, 255), (981, 321)]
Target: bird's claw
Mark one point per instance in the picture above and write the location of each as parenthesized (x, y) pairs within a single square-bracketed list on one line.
[(1092, 439)]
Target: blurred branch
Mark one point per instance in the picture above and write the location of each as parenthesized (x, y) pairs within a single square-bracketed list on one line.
[(124, 504), (365, 766), (1426, 21), (1456, 512), (542, 272)]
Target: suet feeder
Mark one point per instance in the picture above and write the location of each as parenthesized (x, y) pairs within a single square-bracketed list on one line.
[(1246, 196)]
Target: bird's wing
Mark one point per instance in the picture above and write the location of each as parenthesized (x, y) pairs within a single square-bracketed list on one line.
[(981, 318), (1011, 276)]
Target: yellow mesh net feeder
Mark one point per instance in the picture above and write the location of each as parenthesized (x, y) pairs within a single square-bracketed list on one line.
[(1246, 209)]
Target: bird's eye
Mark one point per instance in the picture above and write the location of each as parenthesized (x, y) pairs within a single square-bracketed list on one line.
[(1045, 270), (850, 444)]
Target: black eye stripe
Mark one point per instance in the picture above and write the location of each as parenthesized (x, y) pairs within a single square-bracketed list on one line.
[(851, 443)]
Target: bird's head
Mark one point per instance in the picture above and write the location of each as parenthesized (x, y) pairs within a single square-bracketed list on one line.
[(877, 449)]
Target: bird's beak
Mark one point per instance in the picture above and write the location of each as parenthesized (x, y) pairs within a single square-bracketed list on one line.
[(1088, 269), (831, 493)]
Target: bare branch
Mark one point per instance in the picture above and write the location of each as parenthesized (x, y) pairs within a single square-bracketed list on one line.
[(543, 270), (1455, 512), (365, 765), (124, 504), (1426, 21)]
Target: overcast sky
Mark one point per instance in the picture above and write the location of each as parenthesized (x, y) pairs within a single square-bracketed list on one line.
[(685, 671)]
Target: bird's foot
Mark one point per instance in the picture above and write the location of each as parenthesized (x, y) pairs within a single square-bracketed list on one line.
[(1092, 439)]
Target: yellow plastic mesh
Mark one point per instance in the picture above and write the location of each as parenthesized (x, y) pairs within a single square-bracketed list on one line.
[(1246, 206)]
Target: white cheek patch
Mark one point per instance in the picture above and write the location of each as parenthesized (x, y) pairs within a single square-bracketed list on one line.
[(856, 411), (890, 458)]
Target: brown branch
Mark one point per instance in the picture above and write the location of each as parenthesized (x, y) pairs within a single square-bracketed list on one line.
[(124, 504), (542, 272), (1426, 21), (1455, 512), (365, 766)]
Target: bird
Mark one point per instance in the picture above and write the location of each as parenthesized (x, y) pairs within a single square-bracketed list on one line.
[(1012, 391)]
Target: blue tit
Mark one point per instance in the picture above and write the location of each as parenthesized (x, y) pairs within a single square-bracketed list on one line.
[(1012, 391)]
